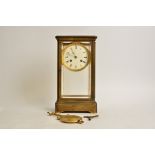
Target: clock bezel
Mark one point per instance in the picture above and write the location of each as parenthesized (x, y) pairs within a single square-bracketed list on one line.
[(78, 44)]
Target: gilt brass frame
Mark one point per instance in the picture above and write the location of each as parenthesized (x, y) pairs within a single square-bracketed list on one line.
[(76, 104)]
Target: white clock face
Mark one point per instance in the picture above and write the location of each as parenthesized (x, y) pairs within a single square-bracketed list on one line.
[(75, 57)]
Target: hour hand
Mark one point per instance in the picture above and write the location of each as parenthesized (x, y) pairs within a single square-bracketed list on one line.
[(69, 54), (72, 52), (74, 55)]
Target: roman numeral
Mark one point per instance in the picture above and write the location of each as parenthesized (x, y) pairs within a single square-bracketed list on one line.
[(82, 61)]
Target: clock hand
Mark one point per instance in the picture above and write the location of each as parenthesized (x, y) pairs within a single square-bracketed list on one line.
[(73, 53), (70, 55)]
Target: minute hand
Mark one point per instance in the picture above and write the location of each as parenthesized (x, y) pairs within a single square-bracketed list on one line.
[(73, 53)]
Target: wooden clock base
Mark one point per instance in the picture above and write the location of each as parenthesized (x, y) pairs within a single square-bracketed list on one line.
[(83, 106)]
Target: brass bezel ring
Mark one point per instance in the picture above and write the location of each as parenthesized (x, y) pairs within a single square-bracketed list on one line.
[(75, 70)]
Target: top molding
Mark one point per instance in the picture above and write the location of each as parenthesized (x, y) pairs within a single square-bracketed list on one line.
[(76, 38)]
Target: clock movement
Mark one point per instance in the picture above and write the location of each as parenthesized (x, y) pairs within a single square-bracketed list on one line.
[(76, 74)]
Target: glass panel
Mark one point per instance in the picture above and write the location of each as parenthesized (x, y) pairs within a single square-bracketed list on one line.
[(71, 79)]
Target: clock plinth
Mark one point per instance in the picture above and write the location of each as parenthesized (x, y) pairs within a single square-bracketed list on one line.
[(76, 74), (82, 106)]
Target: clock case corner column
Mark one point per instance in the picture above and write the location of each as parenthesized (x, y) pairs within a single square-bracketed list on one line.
[(93, 73), (59, 44)]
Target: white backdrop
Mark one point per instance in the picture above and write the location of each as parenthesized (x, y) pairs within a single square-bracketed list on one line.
[(125, 76)]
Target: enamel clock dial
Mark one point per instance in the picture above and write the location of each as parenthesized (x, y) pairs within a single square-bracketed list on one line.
[(76, 74), (75, 57)]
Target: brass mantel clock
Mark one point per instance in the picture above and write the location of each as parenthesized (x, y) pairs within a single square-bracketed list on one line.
[(76, 74)]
